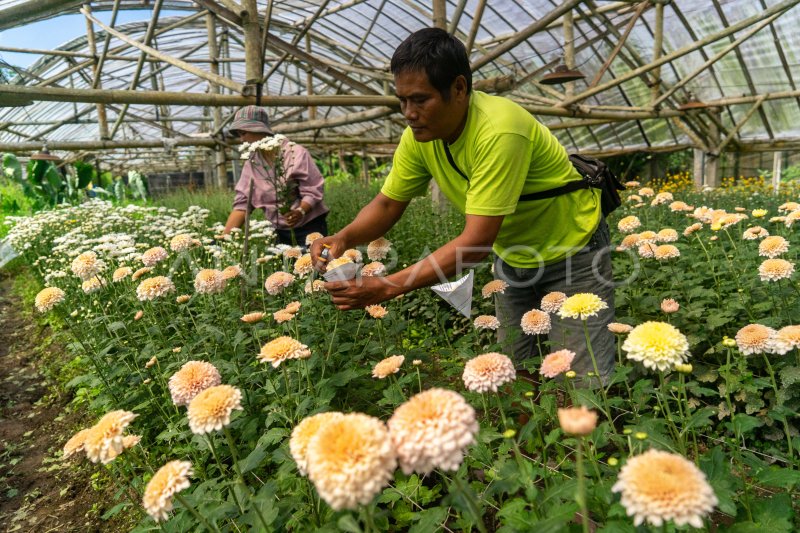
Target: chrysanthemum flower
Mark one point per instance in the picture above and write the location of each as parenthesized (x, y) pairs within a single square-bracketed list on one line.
[(786, 339), (104, 441), (121, 273), (211, 409), (48, 298), (578, 421), (314, 286), (791, 218), (374, 269), (659, 486), (582, 305), (153, 256), (252, 318), (789, 207), (376, 311), (552, 301), (775, 269), (629, 241), (669, 305), (302, 435), (76, 443), (378, 249), (153, 288), (354, 255), (152, 361), (181, 242), (386, 367), (629, 224), (759, 213), (535, 322), (282, 349), (303, 265), (635, 198), (773, 246), (494, 286), (648, 237), (619, 328), (293, 307), (336, 263), (209, 281), (487, 372), (754, 339), (697, 226), (141, 272), (666, 251), (656, 345), (86, 265), (231, 272), (282, 316), (754, 233), (350, 460), (667, 235), (170, 479), (92, 285), (311, 237), (662, 198), (679, 206), (486, 322), (193, 378), (278, 281), (646, 191), (557, 363), (647, 250), (183, 298), (293, 252), (632, 184), (432, 430)]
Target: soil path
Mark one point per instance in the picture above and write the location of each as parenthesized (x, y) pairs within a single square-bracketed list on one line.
[(38, 491)]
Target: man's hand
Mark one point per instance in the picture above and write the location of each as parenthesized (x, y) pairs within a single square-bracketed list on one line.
[(335, 246), (361, 292)]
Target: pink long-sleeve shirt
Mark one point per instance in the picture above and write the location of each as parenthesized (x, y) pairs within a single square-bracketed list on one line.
[(300, 167)]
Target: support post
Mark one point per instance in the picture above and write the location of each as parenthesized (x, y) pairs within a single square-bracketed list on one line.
[(658, 42), (569, 51), (698, 166), (712, 177), (252, 44), (312, 110), (220, 169), (439, 21), (777, 164), (102, 118), (364, 166)]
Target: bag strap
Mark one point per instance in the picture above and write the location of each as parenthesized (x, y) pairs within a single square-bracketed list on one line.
[(452, 162), (558, 191)]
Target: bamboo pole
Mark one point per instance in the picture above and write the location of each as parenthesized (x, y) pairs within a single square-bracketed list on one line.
[(220, 169), (456, 17), (252, 43), (569, 50), (738, 126), (312, 111), (621, 43), (476, 24), (102, 119), (658, 45), (183, 65), (296, 39), (98, 67)]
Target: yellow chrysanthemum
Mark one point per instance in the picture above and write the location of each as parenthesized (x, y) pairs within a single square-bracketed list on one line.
[(657, 345), (582, 305)]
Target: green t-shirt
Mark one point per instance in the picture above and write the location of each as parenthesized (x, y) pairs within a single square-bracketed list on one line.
[(504, 152)]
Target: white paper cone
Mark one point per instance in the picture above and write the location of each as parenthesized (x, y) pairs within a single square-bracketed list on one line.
[(458, 293), (7, 253), (345, 272)]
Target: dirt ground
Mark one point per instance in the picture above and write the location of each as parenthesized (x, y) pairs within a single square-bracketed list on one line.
[(38, 491)]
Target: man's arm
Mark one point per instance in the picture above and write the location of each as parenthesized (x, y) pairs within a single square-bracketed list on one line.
[(471, 246)]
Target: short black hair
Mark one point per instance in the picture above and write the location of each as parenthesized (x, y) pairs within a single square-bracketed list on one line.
[(442, 57)]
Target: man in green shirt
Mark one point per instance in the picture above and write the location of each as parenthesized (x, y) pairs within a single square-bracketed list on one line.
[(485, 152)]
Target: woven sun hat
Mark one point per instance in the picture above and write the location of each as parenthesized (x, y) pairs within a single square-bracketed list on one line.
[(251, 118)]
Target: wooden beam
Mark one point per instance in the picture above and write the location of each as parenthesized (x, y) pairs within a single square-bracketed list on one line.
[(254, 64), (296, 39), (658, 48), (476, 24), (102, 119), (220, 169), (26, 12), (621, 42), (739, 125)]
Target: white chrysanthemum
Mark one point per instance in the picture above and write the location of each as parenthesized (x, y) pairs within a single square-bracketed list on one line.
[(486, 322), (786, 339), (773, 246), (582, 305), (629, 224), (48, 298), (302, 435), (193, 378), (378, 249), (387, 367), (755, 338), (87, 265), (350, 460), (278, 281), (659, 486), (170, 479), (432, 430), (209, 281), (211, 409), (657, 345), (487, 372), (153, 288), (153, 256), (775, 269)]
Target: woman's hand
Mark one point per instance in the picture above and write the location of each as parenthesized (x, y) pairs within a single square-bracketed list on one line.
[(293, 217)]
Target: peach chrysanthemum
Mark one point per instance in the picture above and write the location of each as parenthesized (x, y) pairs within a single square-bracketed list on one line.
[(432, 430), (121, 273), (293, 307), (486, 322), (232, 272), (578, 421), (634, 198), (76, 443), (311, 237), (141, 272), (48, 298), (629, 224), (252, 318), (535, 322), (669, 305), (494, 286), (619, 328), (153, 256), (667, 235), (786, 339), (557, 363), (193, 378), (86, 265), (376, 311), (552, 301), (659, 486), (183, 298), (181, 242), (666, 251), (632, 184), (697, 226), (170, 479), (282, 316), (775, 269), (646, 191), (647, 237), (314, 286), (657, 345), (211, 409), (773, 246), (755, 339), (104, 441), (302, 435), (629, 241), (754, 233), (788, 207), (282, 349), (647, 250), (679, 206), (378, 249), (339, 261), (662, 198), (386, 367), (303, 266), (582, 305), (354, 255), (350, 460), (293, 253), (209, 281), (374, 269), (791, 218), (278, 281), (153, 288), (487, 372), (92, 285)]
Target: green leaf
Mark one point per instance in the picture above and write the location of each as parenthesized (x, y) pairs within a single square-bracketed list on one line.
[(114, 510), (790, 375), (254, 458), (515, 514), (745, 423), (779, 477), (429, 520), (701, 418), (86, 173), (349, 524)]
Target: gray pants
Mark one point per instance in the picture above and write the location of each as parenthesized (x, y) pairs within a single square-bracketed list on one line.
[(589, 270)]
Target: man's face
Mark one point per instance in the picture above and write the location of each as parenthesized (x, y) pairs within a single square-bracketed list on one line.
[(427, 113), (251, 136)]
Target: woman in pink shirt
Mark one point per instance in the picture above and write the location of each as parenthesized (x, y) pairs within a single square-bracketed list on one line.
[(306, 210)]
